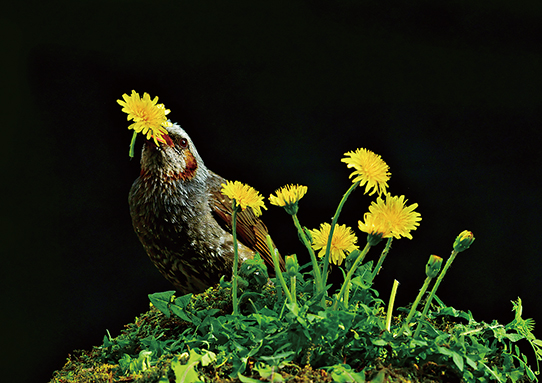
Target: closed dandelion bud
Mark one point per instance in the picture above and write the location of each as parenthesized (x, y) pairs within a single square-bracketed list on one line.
[(463, 241), (433, 266), (292, 267)]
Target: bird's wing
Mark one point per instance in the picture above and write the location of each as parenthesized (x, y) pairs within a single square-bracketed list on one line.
[(250, 229)]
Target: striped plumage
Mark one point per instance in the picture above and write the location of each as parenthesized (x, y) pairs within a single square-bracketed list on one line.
[(184, 221)]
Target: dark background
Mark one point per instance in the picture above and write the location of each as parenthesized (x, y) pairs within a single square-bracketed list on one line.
[(271, 93)]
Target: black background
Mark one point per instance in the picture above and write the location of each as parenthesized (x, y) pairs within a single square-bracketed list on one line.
[(271, 93)]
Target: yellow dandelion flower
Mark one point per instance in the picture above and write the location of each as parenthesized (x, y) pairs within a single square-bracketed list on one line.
[(244, 196), (148, 116), (391, 218), (370, 170), (343, 241), (288, 196), (373, 225)]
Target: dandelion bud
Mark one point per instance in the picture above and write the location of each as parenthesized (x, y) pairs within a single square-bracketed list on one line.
[(433, 266), (463, 241), (292, 267)]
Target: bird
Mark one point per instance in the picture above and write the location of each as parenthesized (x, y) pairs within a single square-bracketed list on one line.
[(183, 220)]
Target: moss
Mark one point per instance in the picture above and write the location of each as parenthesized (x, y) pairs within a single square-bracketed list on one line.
[(171, 340), (94, 367)]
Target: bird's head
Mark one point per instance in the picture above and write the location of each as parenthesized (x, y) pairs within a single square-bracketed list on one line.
[(176, 158)]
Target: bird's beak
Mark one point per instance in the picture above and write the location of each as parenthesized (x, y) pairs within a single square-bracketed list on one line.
[(167, 140), (164, 140)]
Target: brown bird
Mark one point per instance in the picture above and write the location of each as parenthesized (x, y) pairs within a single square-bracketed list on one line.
[(184, 221)]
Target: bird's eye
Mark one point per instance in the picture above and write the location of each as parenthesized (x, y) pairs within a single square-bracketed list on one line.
[(183, 143)]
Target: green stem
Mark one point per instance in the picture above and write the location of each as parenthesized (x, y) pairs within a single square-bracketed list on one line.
[(293, 283), (434, 290), (132, 145), (315, 267), (382, 257), (332, 229), (391, 303), (235, 260), (346, 284), (416, 302), (277, 269)]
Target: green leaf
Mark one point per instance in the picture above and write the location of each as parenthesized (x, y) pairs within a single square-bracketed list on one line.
[(223, 283), (379, 342), (455, 313), (142, 363), (181, 313), (471, 362), (514, 337), (380, 377), (268, 372), (254, 271), (183, 301), (277, 359), (343, 373), (162, 300), (458, 360), (186, 373), (246, 379), (207, 358)]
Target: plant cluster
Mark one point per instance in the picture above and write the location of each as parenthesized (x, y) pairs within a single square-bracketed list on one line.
[(249, 330)]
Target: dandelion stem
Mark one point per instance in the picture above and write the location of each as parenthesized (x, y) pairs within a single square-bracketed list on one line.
[(293, 282), (316, 269), (416, 302), (333, 223), (391, 303), (132, 145), (434, 290), (346, 284), (235, 259), (382, 257), (277, 269)]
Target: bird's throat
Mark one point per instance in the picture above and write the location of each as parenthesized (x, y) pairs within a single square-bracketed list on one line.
[(189, 170), (186, 173)]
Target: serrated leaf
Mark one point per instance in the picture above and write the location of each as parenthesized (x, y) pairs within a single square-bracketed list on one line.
[(162, 300)]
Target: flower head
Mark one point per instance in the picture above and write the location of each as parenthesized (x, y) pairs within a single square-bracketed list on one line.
[(343, 241), (148, 116), (244, 196), (463, 241), (370, 170), (433, 266), (288, 196), (391, 218), (292, 266)]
